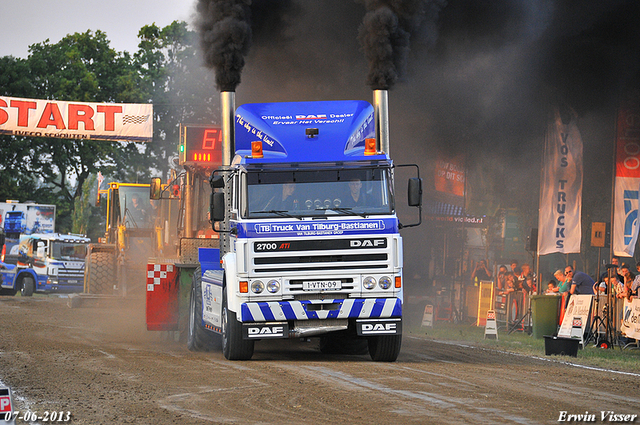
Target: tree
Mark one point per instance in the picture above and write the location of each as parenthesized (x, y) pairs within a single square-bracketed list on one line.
[(181, 89), (81, 67)]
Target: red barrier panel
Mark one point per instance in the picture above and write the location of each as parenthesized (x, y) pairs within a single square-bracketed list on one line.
[(162, 297)]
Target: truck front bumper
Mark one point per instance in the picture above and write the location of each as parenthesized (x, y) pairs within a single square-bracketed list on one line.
[(350, 308), (288, 319), (308, 328)]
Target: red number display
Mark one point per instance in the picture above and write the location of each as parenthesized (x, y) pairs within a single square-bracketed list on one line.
[(202, 145)]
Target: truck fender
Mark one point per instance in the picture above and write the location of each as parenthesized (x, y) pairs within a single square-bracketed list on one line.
[(25, 272), (231, 283), (8, 277)]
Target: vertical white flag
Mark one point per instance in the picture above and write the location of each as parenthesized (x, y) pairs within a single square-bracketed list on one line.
[(559, 228), (627, 183)]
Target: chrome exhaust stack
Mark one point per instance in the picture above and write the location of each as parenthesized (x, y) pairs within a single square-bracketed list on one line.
[(228, 102), (381, 112), (228, 110)]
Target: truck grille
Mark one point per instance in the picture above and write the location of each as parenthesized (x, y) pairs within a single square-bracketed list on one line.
[(321, 262), (308, 256), (68, 276), (71, 274)]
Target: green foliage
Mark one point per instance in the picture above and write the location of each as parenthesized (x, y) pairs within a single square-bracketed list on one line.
[(83, 67), (82, 208), (14, 77), (182, 90)]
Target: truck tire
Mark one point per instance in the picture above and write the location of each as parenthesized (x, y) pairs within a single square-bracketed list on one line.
[(27, 286), (198, 337), (385, 348), (101, 272), (233, 346)]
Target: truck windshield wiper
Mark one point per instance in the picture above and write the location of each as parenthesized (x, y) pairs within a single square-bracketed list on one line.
[(343, 210), (281, 213)]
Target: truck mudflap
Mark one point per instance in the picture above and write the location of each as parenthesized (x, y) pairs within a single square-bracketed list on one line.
[(374, 327), (265, 330), (356, 308)]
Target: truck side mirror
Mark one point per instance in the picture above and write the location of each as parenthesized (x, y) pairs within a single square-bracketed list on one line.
[(155, 188), (216, 206), (217, 182), (1, 240), (414, 192)]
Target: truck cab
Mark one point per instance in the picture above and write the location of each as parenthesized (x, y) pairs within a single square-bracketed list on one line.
[(14, 223), (48, 262)]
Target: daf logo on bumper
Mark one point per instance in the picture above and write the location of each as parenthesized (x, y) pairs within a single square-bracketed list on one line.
[(264, 331), (379, 327), (361, 243)]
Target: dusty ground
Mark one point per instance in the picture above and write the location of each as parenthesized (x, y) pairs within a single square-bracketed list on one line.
[(100, 364)]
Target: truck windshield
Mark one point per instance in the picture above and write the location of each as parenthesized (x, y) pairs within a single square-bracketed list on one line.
[(310, 193), (68, 251)]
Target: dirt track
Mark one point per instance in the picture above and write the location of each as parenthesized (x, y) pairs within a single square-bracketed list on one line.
[(102, 365)]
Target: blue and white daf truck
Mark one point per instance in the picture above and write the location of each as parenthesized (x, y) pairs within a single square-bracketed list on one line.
[(45, 262), (309, 237)]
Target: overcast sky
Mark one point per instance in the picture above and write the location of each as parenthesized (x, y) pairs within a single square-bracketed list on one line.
[(25, 22)]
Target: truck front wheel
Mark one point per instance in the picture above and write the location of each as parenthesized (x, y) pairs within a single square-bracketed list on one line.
[(198, 339), (233, 346), (27, 287), (385, 348)]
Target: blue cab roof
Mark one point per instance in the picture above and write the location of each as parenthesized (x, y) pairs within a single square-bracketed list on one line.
[(342, 129)]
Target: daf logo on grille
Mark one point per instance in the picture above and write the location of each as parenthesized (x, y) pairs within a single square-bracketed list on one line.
[(356, 243)]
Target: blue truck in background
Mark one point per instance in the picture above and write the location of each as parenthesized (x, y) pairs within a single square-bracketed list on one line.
[(44, 262), (15, 222)]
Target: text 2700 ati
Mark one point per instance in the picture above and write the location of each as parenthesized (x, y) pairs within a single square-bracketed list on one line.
[(319, 245)]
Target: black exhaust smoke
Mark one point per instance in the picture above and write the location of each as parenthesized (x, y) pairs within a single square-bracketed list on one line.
[(225, 37), (385, 35), (385, 45)]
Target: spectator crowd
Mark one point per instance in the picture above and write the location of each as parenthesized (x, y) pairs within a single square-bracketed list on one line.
[(617, 278)]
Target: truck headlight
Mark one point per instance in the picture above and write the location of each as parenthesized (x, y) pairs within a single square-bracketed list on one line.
[(369, 282), (385, 282), (257, 286), (273, 286)]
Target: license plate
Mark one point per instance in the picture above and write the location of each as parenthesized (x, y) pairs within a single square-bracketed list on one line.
[(321, 285)]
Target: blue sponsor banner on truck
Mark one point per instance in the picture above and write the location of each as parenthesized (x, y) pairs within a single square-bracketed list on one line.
[(310, 228)]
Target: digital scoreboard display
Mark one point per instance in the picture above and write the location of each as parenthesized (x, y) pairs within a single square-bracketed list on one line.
[(200, 145)]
